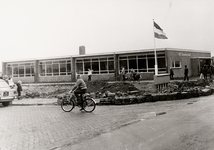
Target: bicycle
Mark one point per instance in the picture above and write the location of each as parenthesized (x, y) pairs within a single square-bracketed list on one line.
[(70, 101)]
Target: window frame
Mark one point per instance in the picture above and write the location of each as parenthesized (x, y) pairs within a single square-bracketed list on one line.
[(173, 64), (90, 63), (58, 63), (25, 68)]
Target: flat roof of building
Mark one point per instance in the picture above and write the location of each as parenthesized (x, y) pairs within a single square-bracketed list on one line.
[(107, 53)]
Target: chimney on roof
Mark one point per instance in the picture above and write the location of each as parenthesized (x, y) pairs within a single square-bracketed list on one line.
[(82, 50)]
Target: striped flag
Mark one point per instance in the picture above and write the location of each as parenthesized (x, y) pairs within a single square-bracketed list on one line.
[(158, 32)]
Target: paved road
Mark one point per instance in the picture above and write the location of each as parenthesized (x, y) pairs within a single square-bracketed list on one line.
[(186, 128), (48, 127)]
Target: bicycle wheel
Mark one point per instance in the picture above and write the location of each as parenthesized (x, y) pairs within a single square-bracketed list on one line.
[(89, 105), (67, 105)]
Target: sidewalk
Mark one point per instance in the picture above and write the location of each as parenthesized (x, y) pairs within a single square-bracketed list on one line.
[(36, 101)]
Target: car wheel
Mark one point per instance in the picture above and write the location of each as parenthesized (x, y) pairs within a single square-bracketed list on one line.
[(5, 103)]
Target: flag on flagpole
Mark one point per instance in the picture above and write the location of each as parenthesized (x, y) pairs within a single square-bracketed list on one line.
[(158, 32)]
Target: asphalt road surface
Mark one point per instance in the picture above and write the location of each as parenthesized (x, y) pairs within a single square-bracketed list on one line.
[(189, 127), (186, 124)]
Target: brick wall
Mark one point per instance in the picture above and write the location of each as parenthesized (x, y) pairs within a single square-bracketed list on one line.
[(55, 79), (185, 58)]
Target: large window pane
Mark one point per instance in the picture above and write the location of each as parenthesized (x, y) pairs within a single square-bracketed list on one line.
[(55, 69), (151, 63), (21, 71), (79, 68), (49, 70), (27, 70), (161, 63), (42, 70), (103, 65), (95, 67), (87, 65), (62, 69), (15, 71), (9, 70), (32, 70), (123, 63), (69, 68), (111, 66), (132, 64), (142, 67)]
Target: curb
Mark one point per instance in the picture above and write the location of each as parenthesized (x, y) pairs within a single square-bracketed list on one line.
[(39, 104)]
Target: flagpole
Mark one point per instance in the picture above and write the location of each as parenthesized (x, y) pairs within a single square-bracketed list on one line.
[(156, 66)]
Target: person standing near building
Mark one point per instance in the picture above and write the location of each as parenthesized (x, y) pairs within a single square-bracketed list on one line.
[(205, 72), (171, 74), (123, 73), (186, 71), (10, 81), (19, 89), (133, 74), (201, 73), (89, 74)]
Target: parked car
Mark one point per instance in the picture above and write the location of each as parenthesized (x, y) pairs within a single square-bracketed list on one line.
[(7, 94)]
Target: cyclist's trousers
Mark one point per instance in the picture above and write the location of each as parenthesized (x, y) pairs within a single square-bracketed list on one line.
[(79, 91)]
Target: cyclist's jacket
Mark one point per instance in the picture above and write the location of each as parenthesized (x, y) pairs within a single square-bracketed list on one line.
[(80, 84)]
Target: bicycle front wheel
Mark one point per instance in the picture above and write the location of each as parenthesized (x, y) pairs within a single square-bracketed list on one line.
[(67, 105), (89, 105)]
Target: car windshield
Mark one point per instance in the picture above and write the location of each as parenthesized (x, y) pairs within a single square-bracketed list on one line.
[(3, 84)]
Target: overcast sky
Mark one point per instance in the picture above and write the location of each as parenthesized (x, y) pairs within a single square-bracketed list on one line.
[(44, 28)]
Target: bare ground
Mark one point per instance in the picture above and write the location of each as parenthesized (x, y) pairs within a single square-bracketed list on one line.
[(51, 91)]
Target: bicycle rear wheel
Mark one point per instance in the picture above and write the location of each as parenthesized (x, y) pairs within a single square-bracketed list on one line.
[(89, 105), (67, 105)]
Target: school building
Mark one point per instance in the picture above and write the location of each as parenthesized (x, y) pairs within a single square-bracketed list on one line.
[(107, 66)]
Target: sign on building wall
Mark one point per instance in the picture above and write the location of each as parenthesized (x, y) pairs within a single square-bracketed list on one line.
[(184, 54)]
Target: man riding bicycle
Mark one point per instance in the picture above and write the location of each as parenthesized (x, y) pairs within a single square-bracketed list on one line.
[(79, 88)]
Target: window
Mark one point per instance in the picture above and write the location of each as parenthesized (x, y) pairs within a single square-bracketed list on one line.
[(132, 62), (79, 68), (103, 65), (143, 62), (9, 69), (87, 65), (63, 69), (15, 71), (176, 64), (27, 70), (110, 65), (68, 67), (142, 65), (95, 66), (161, 63), (151, 63), (42, 69), (20, 69), (49, 70), (55, 68), (123, 62)]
